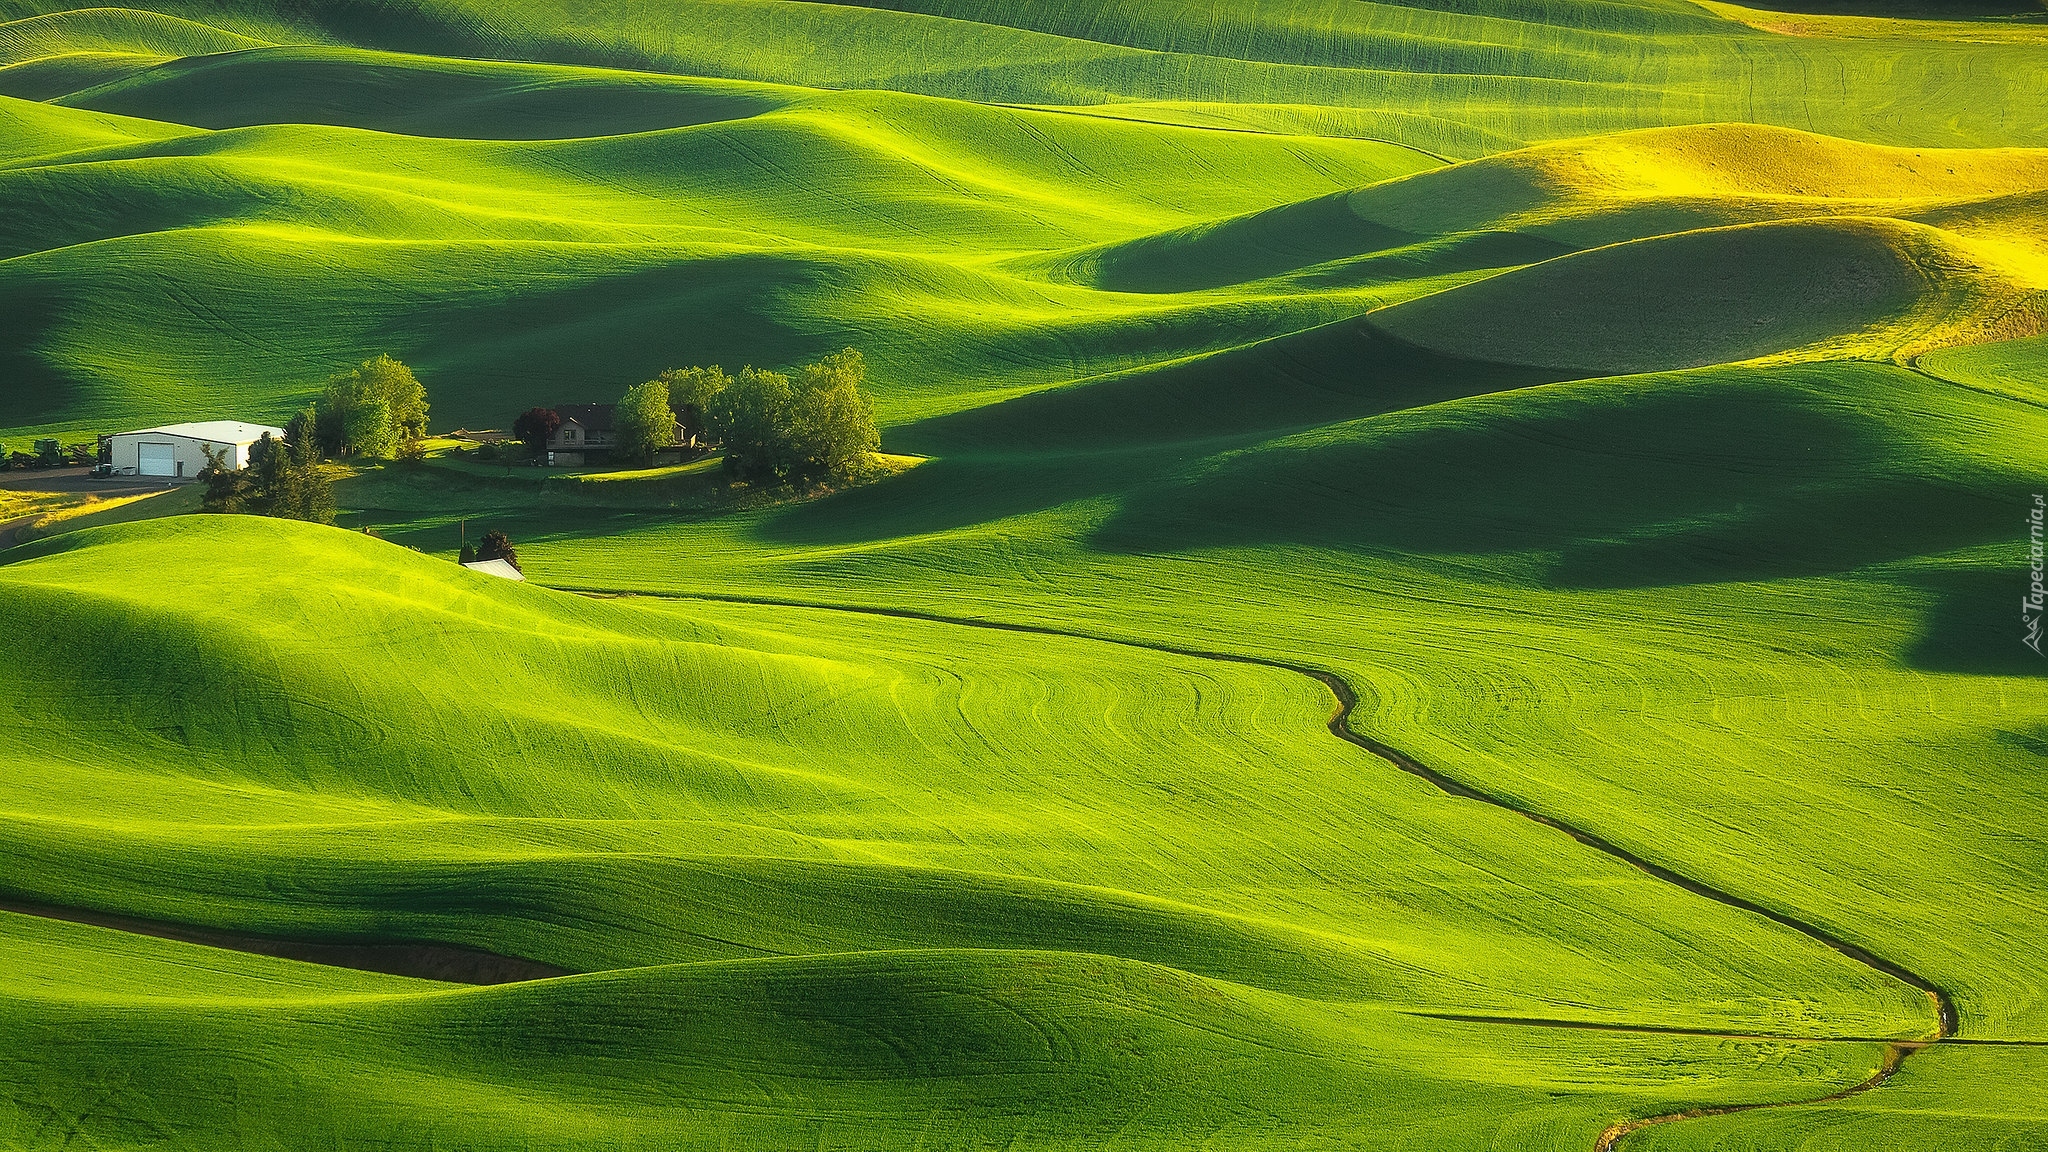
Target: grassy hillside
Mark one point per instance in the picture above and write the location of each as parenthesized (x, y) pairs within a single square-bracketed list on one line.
[(772, 238), (1454, 77), (1920, 1112), (732, 241), (738, 733), (722, 785), (857, 1050), (1636, 405)]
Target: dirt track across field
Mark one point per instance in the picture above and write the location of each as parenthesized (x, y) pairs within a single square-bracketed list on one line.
[(76, 480), (1940, 1003)]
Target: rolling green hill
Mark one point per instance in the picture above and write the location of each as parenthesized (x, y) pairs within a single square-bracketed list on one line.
[(1624, 415), (718, 787)]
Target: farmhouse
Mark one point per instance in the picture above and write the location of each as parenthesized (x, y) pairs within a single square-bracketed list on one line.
[(174, 450), (586, 436)]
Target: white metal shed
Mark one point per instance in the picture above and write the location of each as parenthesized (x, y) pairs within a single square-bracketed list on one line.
[(173, 451), (502, 569)]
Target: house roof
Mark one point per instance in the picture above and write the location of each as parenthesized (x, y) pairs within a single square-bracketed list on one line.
[(501, 568), (591, 417), (213, 431)]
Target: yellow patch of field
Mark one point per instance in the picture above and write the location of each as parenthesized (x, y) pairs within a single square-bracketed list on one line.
[(1878, 27)]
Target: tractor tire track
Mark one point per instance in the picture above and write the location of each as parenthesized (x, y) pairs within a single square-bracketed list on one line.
[(1912, 364), (1896, 1051), (1894, 1058)]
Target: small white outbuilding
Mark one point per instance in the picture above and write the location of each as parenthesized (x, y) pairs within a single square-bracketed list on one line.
[(502, 569), (173, 451)]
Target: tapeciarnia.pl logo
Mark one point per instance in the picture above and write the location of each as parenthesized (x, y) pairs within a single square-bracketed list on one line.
[(2037, 595)]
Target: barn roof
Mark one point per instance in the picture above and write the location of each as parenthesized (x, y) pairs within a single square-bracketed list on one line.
[(213, 431), (501, 568)]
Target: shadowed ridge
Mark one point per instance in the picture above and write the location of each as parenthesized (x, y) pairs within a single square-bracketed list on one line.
[(424, 96), (1091, 438), (1243, 248), (422, 960), (1910, 9), (1840, 288), (1708, 476), (130, 31), (1597, 190), (1312, 244)]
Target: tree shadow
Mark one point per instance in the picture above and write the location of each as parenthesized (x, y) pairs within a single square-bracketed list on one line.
[(1975, 626), (493, 358), (1100, 439), (32, 393)]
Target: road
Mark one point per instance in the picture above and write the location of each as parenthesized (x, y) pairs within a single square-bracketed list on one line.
[(75, 480)]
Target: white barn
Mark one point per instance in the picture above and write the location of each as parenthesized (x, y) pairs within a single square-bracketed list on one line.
[(173, 451), (502, 569)]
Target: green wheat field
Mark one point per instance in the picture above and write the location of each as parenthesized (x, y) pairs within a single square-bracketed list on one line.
[(1454, 577)]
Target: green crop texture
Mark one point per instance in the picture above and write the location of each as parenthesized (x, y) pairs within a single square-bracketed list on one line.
[(1461, 587)]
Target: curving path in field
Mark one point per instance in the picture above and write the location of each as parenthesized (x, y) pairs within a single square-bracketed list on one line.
[(1896, 1051), (466, 965)]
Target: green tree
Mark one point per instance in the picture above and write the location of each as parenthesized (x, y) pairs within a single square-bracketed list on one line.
[(832, 424), (269, 460), (373, 409), (815, 427), (750, 417), (642, 423), (282, 479), (366, 428), (302, 435), (690, 392), (497, 546), (227, 489), (302, 493)]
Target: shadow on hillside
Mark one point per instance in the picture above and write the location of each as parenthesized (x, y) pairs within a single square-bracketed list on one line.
[(31, 393), (1909, 9), (1974, 625), (1453, 255), (412, 97), (1604, 485), (493, 357), (1241, 249), (1099, 440), (1322, 242)]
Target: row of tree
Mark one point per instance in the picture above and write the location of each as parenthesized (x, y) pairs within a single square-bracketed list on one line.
[(815, 425)]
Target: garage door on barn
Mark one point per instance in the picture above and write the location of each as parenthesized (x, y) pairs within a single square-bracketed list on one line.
[(156, 459)]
